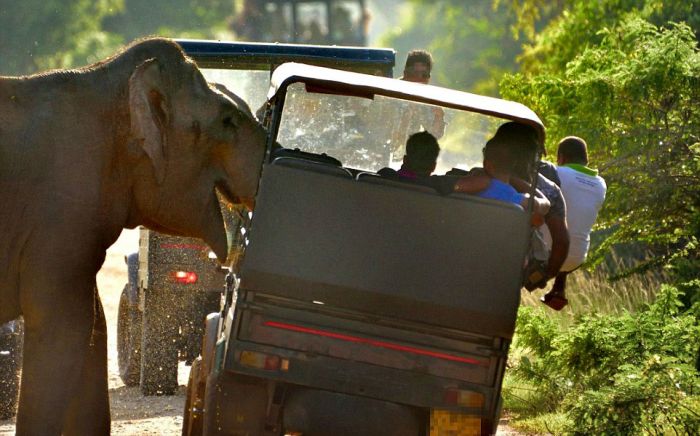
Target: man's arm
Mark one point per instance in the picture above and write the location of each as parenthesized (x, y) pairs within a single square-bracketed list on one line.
[(438, 125), (472, 184), (540, 205), (521, 185)]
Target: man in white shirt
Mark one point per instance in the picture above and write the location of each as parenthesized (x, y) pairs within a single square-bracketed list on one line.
[(584, 193)]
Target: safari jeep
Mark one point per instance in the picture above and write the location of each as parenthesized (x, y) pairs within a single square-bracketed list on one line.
[(364, 306), (175, 282)]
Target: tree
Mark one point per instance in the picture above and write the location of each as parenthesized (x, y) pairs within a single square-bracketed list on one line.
[(171, 18), (37, 35), (41, 34), (573, 25), (472, 46), (632, 90)]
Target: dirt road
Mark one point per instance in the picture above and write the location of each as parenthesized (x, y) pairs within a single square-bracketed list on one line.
[(132, 413)]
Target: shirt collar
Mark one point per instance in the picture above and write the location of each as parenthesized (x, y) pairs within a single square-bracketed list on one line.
[(582, 169)]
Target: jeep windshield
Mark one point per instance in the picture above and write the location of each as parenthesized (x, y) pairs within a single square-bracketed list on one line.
[(250, 85), (364, 121), (245, 68)]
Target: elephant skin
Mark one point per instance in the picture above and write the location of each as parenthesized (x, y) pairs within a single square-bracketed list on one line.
[(137, 139)]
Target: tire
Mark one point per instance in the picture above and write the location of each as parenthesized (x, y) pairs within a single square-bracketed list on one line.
[(192, 418), (201, 304), (159, 345), (10, 364), (129, 340)]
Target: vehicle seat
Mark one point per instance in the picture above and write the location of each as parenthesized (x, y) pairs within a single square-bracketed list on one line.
[(310, 165), (376, 179), (473, 198)]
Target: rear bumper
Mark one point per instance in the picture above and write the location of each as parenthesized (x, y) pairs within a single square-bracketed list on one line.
[(236, 404)]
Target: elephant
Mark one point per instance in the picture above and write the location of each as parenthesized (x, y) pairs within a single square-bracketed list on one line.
[(137, 139)]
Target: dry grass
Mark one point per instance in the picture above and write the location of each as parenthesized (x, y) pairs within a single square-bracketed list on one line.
[(592, 291)]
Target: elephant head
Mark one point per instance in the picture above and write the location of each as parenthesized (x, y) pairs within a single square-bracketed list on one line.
[(192, 139)]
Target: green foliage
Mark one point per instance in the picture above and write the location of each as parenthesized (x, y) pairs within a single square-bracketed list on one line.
[(532, 13), (472, 46), (615, 374), (635, 98), (592, 289), (37, 34), (574, 25), (170, 18)]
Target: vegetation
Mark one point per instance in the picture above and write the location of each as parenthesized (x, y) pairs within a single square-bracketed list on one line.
[(634, 97), (631, 373), (41, 34), (624, 76), (591, 290), (472, 46)]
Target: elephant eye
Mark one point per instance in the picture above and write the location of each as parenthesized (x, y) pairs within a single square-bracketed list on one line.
[(230, 122)]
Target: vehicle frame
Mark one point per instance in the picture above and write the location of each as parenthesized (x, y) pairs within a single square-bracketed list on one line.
[(343, 351)]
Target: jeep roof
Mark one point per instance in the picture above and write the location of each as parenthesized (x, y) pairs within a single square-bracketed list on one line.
[(331, 81), (266, 56)]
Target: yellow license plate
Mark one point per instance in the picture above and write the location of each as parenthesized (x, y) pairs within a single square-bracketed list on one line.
[(449, 423)]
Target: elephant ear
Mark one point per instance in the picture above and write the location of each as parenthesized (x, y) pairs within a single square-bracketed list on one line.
[(148, 111)]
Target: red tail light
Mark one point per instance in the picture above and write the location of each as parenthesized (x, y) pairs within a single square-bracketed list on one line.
[(268, 362), (185, 277)]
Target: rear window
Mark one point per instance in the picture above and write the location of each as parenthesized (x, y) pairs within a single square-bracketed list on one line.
[(370, 133)]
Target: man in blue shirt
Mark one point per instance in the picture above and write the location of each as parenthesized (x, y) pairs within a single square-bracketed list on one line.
[(494, 181)]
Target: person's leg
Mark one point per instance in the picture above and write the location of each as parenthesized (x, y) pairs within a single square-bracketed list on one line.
[(559, 286), (556, 297)]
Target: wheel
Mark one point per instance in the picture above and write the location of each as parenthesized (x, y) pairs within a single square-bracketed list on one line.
[(192, 416), (129, 340), (10, 363), (200, 305), (159, 344)]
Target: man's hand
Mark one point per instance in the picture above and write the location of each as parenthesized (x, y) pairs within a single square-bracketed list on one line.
[(540, 205), (536, 276)]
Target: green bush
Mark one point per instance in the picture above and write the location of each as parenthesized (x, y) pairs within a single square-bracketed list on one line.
[(615, 374)]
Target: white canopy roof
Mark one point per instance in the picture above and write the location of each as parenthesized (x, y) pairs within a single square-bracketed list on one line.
[(345, 82)]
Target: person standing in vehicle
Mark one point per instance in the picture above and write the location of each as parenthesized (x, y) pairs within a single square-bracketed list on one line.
[(415, 117), (418, 69), (584, 191)]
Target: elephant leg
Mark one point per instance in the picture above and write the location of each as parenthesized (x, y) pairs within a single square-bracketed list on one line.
[(88, 413), (58, 328)]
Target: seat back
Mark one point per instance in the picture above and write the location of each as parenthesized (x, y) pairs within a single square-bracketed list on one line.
[(387, 250)]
